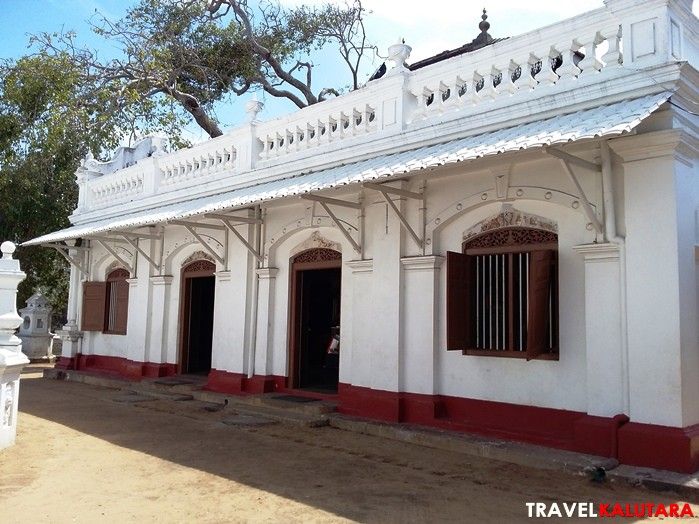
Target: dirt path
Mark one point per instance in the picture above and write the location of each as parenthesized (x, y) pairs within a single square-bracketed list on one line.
[(81, 457)]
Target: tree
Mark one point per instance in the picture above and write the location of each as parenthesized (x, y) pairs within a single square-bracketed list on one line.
[(51, 114), (197, 53)]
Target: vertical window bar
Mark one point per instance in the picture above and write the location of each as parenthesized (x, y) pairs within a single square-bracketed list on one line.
[(490, 300), (526, 289), (478, 316), (503, 293), (550, 319), (497, 302), (520, 306)]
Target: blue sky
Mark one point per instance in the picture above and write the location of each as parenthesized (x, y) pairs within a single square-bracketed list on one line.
[(428, 27)]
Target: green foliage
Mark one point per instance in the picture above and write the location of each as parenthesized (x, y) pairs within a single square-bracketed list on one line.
[(51, 114)]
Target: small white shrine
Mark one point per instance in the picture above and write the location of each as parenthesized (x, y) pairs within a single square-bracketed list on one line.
[(37, 340)]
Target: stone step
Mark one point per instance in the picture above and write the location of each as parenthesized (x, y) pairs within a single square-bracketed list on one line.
[(308, 405), (284, 416), (157, 393)]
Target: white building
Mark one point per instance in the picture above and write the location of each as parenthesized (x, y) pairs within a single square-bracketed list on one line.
[(503, 238)]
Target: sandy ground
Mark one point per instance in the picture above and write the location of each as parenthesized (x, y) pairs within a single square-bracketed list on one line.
[(82, 457)]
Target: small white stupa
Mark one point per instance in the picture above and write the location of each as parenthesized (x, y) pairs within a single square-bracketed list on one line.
[(37, 340)]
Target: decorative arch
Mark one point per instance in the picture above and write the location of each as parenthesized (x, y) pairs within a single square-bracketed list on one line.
[(510, 217), (117, 273), (198, 266), (318, 254), (489, 197), (198, 255), (187, 250), (298, 225)]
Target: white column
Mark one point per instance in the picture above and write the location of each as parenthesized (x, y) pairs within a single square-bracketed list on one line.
[(137, 322), (384, 350), (12, 360), (263, 340), (161, 286), (607, 373), (71, 335), (420, 332), (655, 284), (356, 339)]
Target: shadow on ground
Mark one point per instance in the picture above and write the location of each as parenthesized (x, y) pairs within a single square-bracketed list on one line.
[(345, 475)]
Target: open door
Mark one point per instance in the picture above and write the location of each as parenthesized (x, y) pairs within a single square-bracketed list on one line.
[(197, 317), (315, 320)]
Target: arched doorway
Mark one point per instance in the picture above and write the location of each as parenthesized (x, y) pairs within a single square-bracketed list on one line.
[(197, 316), (315, 320)]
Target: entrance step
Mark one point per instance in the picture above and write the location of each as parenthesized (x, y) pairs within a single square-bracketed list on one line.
[(236, 407), (157, 393), (292, 403)]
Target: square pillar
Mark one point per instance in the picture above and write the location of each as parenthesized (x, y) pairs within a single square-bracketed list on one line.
[(607, 372), (161, 286), (265, 306)]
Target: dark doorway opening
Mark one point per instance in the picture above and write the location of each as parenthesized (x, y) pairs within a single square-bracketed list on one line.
[(199, 287), (315, 351)]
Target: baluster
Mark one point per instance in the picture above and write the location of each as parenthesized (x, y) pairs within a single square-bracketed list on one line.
[(568, 69), (506, 84), (526, 80), (590, 64), (488, 90), (613, 56), (547, 76), (445, 97), (472, 95)]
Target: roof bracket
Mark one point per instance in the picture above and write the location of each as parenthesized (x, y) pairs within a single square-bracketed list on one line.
[(73, 261), (385, 190), (190, 227), (135, 245), (587, 207), (116, 255), (332, 201), (576, 160), (250, 248), (341, 227)]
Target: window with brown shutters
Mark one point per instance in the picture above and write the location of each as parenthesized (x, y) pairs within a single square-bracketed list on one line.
[(117, 307), (94, 294), (106, 304), (502, 295)]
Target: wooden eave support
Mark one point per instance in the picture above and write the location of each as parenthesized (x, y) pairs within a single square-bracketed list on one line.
[(63, 250), (566, 159), (190, 227), (135, 245), (240, 237), (234, 219), (106, 246), (325, 202), (385, 191)]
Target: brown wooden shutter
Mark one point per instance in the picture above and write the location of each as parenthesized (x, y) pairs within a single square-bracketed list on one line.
[(460, 322), (540, 272), (122, 306), (94, 302)]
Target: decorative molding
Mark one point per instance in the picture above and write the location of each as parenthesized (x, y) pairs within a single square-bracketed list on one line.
[(133, 282), (509, 217), (656, 144), (421, 263), (223, 276), (198, 255), (161, 280), (598, 252), (320, 254), (361, 266), (316, 241), (267, 273), (199, 265)]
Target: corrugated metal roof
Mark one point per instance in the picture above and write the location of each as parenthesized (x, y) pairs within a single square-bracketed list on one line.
[(602, 121)]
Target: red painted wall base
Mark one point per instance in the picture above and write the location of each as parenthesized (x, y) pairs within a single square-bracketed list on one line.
[(675, 449), (117, 366), (238, 383)]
